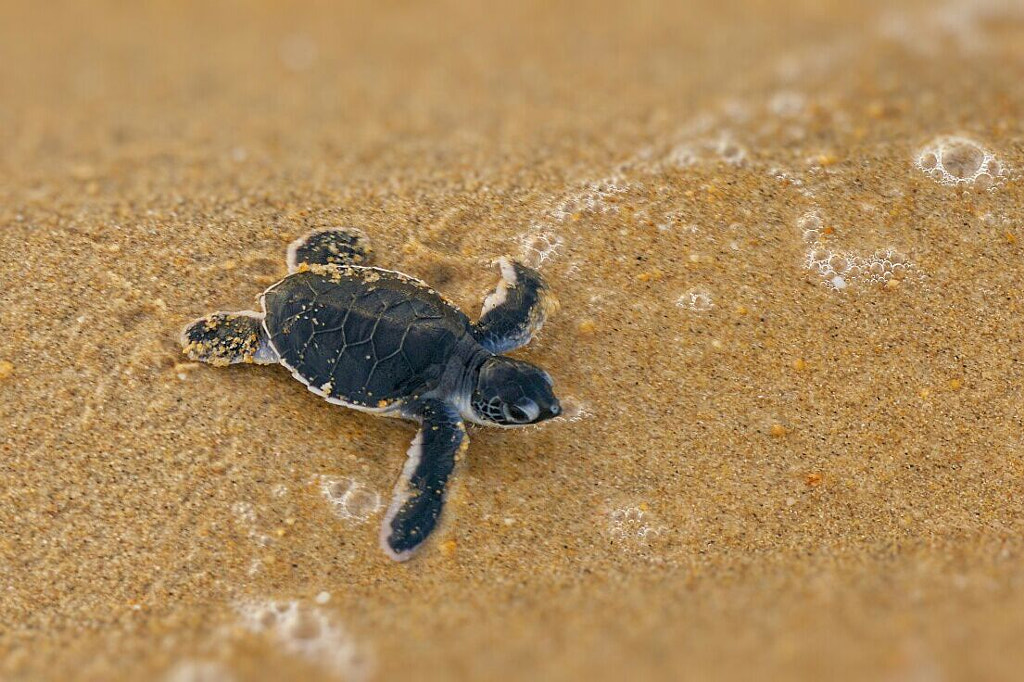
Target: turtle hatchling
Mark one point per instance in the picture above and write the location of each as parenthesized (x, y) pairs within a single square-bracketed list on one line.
[(384, 342)]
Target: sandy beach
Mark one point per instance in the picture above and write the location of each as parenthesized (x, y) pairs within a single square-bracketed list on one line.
[(786, 239)]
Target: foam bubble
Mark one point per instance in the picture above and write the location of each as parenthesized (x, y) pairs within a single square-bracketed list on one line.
[(593, 197), (539, 246), (630, 522), (703, 146), (308, 632), (792, 179), (350, 499), (810, 225), (697, 300), (962, 159), (956, 160), (840, 269), (729, 150), (633, 529)]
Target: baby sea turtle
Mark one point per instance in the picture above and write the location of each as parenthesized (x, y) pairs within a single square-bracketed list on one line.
[(380, 341)]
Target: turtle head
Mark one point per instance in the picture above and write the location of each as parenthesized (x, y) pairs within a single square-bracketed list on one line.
[(513, 393)]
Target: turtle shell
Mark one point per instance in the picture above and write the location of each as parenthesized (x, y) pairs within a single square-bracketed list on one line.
[(362, 336)]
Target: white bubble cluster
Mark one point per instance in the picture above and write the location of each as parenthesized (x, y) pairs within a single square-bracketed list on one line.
[(308, 632), (840, 269), (539, 246), (697, 300), (595, 197), (724, 147), (633, 530), (810, 225), (350, 499), (954, 160), (631, 523)]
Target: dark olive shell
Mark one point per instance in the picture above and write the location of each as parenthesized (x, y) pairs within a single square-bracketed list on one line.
[(363, 336)]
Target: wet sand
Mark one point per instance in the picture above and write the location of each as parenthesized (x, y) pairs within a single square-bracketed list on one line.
[(787, 243)]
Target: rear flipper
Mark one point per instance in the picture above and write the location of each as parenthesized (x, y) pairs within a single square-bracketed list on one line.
[(228, 338), (420, 491), (332, 246)]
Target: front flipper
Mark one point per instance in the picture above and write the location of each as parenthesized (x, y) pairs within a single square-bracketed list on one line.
[(331, 246), (420, 491), (516, 310)]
